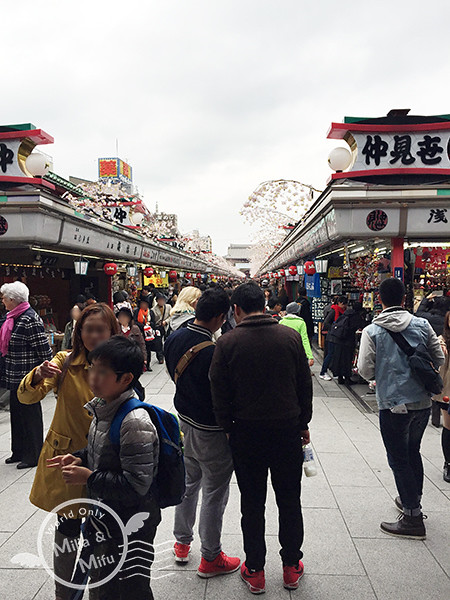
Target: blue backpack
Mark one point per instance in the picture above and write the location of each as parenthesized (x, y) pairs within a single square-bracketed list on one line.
[(169, 484)]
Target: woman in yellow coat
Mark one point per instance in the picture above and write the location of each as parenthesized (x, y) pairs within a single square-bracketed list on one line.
[(66, 374)]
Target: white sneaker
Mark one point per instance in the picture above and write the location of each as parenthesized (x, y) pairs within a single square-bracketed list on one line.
[(326, 377)]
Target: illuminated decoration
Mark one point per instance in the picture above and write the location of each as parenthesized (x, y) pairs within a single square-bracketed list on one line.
[(16, 145), (292, 270), (149, 271), (173, 275), (114, 170), (110, 269), (282, 272), (188, 275)]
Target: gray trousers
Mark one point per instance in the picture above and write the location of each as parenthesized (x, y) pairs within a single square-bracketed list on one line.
[(209, 466)]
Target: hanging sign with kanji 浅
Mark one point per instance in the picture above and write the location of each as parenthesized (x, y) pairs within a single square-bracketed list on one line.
[(395, 149)]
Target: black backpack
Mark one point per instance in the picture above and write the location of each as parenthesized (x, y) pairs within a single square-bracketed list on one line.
[(341, 328), (421, 363)]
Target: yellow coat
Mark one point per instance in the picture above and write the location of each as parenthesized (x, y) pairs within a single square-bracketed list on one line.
[(67, 433)]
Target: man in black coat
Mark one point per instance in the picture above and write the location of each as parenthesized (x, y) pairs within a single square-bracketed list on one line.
[(262, 397)]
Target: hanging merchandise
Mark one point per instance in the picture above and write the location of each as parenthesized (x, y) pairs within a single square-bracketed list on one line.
[(312, 285)]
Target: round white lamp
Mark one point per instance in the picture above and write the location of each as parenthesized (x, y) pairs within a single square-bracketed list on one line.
[(137, 218), (37, 164), (339, 159)]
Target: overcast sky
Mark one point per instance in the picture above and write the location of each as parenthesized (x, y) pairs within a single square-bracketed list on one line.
[(210, 97)]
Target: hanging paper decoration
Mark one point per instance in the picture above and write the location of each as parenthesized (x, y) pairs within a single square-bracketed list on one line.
[(110, 269), (310, 267), (292, 270), (149, 271)]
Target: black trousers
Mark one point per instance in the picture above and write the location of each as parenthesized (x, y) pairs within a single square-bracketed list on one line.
[(133, 579), (256, 449), (27, 430)]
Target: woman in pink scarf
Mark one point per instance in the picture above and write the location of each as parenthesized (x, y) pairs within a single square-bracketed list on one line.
[(23, 345)]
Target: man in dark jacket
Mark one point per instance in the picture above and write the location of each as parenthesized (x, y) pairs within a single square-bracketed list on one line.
[(262, 397), (305, 311), (207, 455)]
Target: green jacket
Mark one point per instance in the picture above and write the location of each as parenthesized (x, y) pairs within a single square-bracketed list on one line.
[(299, 325)]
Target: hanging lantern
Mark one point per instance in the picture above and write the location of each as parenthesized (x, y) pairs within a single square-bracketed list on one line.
[(282, 272), (162, 274), (310, 268), (81, 266), (199, 275), (321, 265), (292, 270), (188, 275), (181, 273), (131, 270), (110, 269), (149, 271), (172, 275)]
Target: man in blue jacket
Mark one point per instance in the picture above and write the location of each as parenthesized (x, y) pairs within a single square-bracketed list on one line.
[(404, 404), (207, 454)]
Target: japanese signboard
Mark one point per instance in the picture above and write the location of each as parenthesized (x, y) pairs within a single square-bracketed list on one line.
[(114, 170), (389, 149)]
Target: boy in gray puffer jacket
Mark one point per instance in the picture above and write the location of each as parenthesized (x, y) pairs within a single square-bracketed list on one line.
[(118, 477)]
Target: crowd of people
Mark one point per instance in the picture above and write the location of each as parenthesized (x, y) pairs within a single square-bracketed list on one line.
[(217, 344)]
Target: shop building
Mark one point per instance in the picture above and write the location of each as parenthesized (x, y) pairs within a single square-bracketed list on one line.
[(385, 212)]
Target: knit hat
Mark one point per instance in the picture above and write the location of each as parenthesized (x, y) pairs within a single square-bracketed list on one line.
[(293, 308)]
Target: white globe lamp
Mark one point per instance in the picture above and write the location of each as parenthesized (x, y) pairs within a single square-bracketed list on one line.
[(37, 164), (137, 218), (339, 159)]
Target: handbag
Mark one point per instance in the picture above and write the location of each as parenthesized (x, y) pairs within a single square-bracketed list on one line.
[(149, 334), (421, 363)]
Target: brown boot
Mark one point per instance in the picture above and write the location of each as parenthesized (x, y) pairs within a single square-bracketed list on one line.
[(406, 527), (64, 556)]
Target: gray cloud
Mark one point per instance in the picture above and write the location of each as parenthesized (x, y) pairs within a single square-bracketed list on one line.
[(207, 98)]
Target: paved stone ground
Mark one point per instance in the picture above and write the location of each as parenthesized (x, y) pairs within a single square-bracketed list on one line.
[(346, 554)]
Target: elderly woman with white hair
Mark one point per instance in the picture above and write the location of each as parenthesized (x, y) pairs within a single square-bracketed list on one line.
[(23, 346)]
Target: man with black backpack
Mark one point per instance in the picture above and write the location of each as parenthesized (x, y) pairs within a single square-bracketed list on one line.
[(209, 465), (397, 350)]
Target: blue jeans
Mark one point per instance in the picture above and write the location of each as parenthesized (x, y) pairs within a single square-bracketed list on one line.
[(402, 435), (328, 358)]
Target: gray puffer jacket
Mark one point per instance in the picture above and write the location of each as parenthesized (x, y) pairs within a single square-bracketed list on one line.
[(121, 481)]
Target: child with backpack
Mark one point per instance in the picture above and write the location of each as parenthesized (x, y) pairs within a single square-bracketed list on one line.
[(119, 472)]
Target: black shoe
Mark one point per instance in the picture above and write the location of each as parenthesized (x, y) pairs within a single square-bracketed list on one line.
[(12, 459), (149, 369), (341, 381), (23, 465), (447, 472), (348, 381), (398, 504), (406, 527)]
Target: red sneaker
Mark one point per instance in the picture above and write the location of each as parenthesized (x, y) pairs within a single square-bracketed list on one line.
[(221, 565), (181, 552), (292, 576), (256, 582)]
